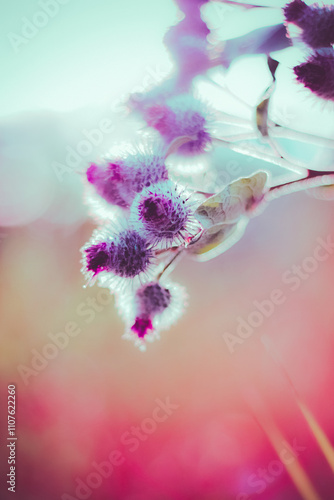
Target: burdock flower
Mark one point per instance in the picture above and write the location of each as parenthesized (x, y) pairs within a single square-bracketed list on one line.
[(154, 306), (117, 179), (182, 115), (316, 22), (116, 257), (109, 181), (164, 213), (317, 74), (295, 11)]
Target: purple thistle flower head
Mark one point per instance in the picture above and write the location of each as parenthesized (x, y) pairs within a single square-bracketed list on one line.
[(117, 257), (153, 307), (145, 167), (130, 254), (109, 182), (98, 258), (317, 23), (151, 299), (318, 27), (163, 212), (159, 117), (295, 10), (182, 115), (118, 180), (317, 74)]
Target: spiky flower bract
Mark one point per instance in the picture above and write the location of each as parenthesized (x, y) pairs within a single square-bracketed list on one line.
[(118, 179), (182, 115), (295, 10), (316, 22), (145, 167), (164, 213), (116, 257), (317, 74), (109, 182), (154, 306)]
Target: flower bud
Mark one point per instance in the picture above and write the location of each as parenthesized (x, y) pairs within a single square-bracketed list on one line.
[(317, 74), (316, 22), (117, 180), (153, 307), (163, 212), (117, 257), (182, 115)]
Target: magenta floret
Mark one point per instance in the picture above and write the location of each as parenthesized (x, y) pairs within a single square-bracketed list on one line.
[(317, 74)]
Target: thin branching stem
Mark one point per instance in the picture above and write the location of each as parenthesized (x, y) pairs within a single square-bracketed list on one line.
[(288, 133), (261, 155), (313, 179)]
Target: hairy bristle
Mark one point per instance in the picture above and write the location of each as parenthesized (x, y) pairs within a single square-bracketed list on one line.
[(318, 27), (317, 74), (162, 212), (316, 22), (98, 258), (295, 10)]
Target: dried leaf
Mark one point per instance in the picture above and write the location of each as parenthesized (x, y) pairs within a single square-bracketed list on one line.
[(235, 200), (224, 215), (217, 240)]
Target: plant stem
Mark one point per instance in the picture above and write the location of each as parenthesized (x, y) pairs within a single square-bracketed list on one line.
[(228, 119), (250, 136), (256, 153), (314, 178), (288, 133), (172, 263)]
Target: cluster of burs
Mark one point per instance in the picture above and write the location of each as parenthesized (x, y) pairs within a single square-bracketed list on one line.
[(146, 217), (316, 30)]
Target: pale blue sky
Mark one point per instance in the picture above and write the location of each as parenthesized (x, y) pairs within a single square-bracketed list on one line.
[(88, 52)]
